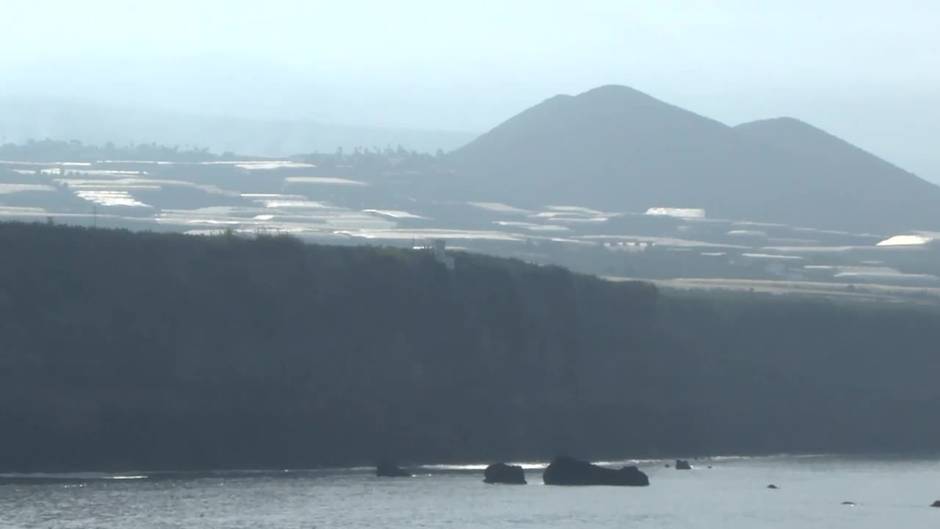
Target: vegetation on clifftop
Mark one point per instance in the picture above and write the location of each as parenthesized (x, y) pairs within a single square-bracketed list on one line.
[(143, 350)]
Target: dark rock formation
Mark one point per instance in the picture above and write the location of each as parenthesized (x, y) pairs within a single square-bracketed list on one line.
[(570, 471), (503, 473), (935, 504), (682, 464), (772, 486), (388, 469), (849, 503)]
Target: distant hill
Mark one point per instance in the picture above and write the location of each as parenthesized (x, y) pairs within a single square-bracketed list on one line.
[(22, 120), (619, 149)]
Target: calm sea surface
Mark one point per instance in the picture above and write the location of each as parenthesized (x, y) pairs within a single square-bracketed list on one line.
[(889, 493)]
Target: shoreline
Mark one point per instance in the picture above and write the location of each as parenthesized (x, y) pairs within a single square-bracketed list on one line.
[(431, 468)]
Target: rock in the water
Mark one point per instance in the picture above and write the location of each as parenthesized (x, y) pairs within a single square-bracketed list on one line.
[(570, 471), (682, 464), (935, 504), (503, 473), (387, 469), (772, 486)]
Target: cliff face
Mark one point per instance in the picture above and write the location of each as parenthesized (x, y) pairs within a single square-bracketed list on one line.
[(121, 350)]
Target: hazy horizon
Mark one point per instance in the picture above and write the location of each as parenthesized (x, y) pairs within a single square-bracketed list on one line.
[(854, 69)]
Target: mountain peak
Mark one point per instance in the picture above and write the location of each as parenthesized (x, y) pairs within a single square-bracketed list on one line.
[(608, 114), (618, 149), (613, 90), (620, 98), (803, 139), (607, 98), (782, 123)]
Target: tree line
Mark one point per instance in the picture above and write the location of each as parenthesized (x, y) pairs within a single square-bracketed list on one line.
[(49, 150), (123, 350)]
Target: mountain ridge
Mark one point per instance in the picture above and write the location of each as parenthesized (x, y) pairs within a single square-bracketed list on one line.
[(619, 149), (761, 128)]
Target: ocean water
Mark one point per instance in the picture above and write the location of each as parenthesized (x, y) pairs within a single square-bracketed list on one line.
[(887, 492)]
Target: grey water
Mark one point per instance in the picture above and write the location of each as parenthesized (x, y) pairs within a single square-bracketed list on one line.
[(887, 492)]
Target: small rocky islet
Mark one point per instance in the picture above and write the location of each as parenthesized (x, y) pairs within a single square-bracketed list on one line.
[(505, 474), (389, 469), (571, 471)]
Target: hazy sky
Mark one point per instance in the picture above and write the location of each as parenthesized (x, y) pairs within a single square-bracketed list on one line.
[(867, 71)]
